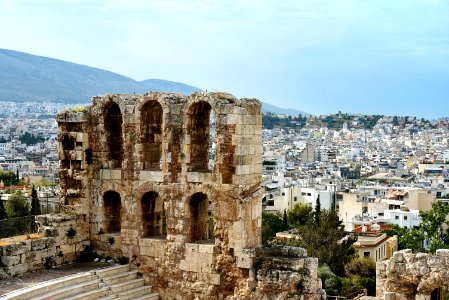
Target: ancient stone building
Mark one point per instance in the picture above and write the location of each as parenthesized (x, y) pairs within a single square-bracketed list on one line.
[(414, 276), (179, 194)]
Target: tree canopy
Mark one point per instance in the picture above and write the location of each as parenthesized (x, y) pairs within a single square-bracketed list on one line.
[(17, 206)]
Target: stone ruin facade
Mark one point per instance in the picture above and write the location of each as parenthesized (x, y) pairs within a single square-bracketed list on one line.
[(409, 276), (179, 194)]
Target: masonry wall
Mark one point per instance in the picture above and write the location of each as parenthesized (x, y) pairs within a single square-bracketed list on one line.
[(413, 276), (145, 173), (52, 249)]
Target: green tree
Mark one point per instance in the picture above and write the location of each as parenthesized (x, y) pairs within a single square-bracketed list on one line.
[(331, 282), (362, 271), (17, 206), (299, 215), (434, 226), (3, 214), (328, 241), (35, 205), (271, 224), (317, 213)]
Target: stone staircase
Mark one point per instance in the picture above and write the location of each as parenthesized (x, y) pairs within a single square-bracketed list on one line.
[(117, 282)]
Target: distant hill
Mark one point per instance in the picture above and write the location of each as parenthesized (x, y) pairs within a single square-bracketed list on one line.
[(27, 77), (278, 110)]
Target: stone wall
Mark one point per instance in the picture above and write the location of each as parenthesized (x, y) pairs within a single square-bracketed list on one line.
[(182, 198), (55, 248), (413, 276)]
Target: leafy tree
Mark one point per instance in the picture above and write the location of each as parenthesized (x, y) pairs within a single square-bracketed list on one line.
[(17, 206), (299, 215), (271, 224), (29, 139), (433, 228), (35, 206), (362, 270), (331, 282), (434, 225), (3, 214), (328, 241), (9, 178)]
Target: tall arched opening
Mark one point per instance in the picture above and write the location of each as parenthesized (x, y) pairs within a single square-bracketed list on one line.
[(150, 135), (199, 132), (113, 128)]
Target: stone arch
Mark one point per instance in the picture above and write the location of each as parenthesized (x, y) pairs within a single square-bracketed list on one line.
[(112, 211), (151, 114), (153, 215), (199, 131), (113, 121), (197, 217)]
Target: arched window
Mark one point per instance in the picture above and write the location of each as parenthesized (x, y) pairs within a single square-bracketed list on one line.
[(150, 135), (199, 217), (153, 215), (112, 207), (113, 127), (199, 131)]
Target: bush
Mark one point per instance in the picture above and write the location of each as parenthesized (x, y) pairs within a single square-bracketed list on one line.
[(17, 206)]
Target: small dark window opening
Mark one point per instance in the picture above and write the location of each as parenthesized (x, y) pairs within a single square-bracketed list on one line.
[(199, 217), (153, 216), (112, 208)]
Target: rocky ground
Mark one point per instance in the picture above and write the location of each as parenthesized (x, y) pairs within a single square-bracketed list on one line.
[(29, 279)]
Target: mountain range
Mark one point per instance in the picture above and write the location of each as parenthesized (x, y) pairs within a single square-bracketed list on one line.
[(27, 77)]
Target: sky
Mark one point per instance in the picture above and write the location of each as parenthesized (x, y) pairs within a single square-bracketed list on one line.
[(319, 56)]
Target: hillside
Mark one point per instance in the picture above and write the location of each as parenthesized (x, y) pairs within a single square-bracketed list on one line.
[(28, 78)]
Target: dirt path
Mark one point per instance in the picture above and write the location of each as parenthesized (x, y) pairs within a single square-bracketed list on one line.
[(29, 279)]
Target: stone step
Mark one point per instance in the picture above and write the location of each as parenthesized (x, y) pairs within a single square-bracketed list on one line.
[(72, 290), (118, 278), (135, 293), (48, 286), (152, 296), (111, 271), (125, 286), (92, 295), (109, 297)]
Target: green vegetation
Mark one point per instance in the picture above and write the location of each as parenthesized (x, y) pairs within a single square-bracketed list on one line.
[(271, 120), (322, 234), (17, 206), (9, 178), (29, 139), (433, 227), (35, 206)]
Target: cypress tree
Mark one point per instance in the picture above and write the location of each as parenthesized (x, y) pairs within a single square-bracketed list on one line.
[(317, 211), (35, 206)]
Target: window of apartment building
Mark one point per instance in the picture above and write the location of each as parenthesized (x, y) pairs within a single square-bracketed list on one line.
[(381, 214), (405, 217), (396, 217), (295, 198), (366, 254), (309, 194), (283, 194), (303, 194)]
